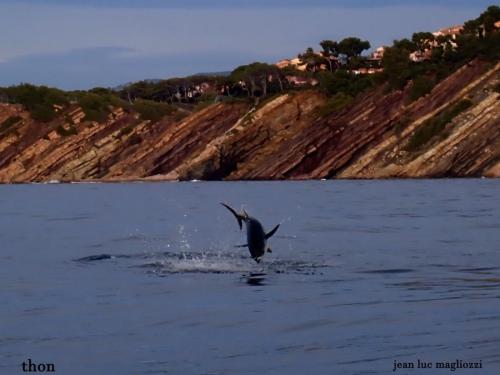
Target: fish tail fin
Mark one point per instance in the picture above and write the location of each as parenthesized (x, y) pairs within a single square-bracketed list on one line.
[(236, 215)]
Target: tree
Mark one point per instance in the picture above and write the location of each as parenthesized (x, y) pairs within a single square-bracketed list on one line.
[(405, 44), (262, 72), (342, 81), (290, 71), (38, 100), (445, 41), (479, 37), (484, 25), (163, 91), (351, 47), (330, 52), (488, 19), (253, 75), (423, 40), (473, 27), (311, 60), (397, 66)]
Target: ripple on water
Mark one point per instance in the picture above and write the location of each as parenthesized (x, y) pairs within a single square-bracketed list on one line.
[(389, 271), (71, 218), (164, 263), (480, 270)]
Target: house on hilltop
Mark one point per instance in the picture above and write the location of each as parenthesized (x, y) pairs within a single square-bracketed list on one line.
[(378, 54), (295, 63), (452, 31)]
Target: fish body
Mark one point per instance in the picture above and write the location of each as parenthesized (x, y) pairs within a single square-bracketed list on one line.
[(256, 236)]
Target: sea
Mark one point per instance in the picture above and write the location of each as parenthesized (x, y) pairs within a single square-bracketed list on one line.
[(365, 277)]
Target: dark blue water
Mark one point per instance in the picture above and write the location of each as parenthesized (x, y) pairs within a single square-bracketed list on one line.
[(361, 274)]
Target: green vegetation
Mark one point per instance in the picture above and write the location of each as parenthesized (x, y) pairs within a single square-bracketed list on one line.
[(345, 82), (478, 39), (43, 113), (153, 111), (95, 107), (435, 125), (311, 60), (334, 54), (421, 86), (335, 104), (38, 100), (339, 70), (173, 90), (9, 122), (397, 66), (205, 100), (352, 47), (97, 103), (256, 77)]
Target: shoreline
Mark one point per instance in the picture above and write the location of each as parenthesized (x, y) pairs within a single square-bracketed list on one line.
[(163, 180)]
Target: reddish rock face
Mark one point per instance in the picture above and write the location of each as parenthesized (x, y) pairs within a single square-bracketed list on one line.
[(468, 146), (284, 137), (287, 139)]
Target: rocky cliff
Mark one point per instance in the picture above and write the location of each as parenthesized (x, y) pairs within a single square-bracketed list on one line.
[(454, 131)]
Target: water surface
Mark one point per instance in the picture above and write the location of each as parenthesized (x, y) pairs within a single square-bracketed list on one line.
[(144, 278)]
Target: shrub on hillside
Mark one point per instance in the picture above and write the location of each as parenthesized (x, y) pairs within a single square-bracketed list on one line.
[(96, 107), (436, 125), (38, 100), (342, 81), (153, 111), (336, 103), (421, 86)]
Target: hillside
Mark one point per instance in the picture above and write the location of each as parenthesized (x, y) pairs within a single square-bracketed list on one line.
[(454, 131), (425, 107)]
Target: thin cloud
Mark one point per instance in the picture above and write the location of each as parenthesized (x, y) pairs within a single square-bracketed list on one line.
[(80, 46)]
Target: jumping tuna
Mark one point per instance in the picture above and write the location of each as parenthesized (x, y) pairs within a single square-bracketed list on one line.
[(256, 237)]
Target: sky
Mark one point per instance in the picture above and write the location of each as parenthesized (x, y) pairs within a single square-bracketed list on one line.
[(80, 44)]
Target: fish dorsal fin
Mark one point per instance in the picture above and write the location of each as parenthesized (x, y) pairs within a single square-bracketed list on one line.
[(272, 231)]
